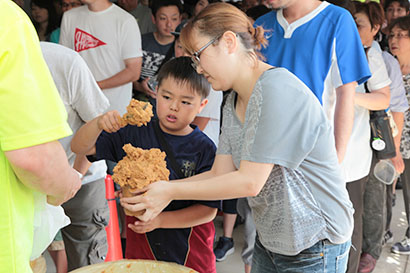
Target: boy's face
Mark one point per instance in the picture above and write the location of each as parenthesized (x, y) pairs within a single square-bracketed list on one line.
[(177, 106), (166, 20)]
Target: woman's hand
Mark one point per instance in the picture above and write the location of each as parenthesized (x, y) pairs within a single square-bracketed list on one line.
[(144, 227), (153, 199), (110, 122)]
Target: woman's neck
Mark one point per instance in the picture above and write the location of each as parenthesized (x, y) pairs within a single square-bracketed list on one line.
[(163, 40), (247, 79)]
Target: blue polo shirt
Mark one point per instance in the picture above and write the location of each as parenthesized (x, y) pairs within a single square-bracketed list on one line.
[(323, 48)]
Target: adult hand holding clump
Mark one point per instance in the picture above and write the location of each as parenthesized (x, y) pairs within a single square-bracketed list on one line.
[(138, 169)]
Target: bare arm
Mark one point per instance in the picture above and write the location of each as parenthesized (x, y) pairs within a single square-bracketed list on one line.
[(343, 120), (130, 73), (84, 140), (81, 164), (184, 218), (398, 163), (247, 181), (201, 122), (45, 168), (376, 100)]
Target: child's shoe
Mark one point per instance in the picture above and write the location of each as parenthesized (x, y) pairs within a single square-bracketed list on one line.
[(223, 248)]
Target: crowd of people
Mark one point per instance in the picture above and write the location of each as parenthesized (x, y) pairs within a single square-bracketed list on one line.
[(263, 104)]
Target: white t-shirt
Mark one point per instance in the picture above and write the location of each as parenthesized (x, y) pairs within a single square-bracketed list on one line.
[(212, 111), (358, 158), (82, 97), (104, 39)]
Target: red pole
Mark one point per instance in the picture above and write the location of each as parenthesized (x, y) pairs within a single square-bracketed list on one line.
[(113, 229)]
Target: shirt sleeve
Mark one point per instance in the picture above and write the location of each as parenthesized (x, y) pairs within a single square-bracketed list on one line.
[(213, 109), (131, 39), (351, 63), (88, 99), (109, 146), (283, 121), (379, 78), (224, 146), (398, 100), (65, 40), (32, 111)]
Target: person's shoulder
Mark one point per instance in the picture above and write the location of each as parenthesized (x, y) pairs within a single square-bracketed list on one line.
[(200, 139), (335, 15), (81, 10), (121, 13), (10, 12), (267, 18)]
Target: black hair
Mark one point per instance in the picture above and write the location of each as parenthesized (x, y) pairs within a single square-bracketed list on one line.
[(403, 3), (257, 11), (181, 70), (53, 19), (346, 4), (157, 4), (402, 23)]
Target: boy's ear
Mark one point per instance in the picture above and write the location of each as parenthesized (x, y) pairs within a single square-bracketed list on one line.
[(204, 102), (153, 19)]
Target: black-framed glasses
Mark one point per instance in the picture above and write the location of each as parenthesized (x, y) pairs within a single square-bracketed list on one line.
[(195, 56)]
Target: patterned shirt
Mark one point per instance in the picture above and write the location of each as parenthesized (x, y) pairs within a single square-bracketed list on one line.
[(304, 199), (405, 137)]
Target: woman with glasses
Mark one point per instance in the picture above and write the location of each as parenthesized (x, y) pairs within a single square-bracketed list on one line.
[(276, 148), (399, 44)]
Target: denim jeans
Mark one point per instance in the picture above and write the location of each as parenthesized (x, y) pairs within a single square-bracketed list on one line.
[(321, 257)]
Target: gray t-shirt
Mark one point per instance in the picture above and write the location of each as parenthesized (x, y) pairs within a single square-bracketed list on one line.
[(304, 199)]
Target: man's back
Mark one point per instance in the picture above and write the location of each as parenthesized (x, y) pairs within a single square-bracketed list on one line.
[(104, 39), (32, 114)]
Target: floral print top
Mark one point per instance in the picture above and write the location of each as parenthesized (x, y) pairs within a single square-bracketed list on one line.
[(405, 137)]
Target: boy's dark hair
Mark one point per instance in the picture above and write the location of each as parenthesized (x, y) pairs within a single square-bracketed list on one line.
[(181, 70), (402, 23), (157, 4), (403, 3)]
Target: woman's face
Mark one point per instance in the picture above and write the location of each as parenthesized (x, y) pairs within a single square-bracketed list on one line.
[(394, 10), (200, 5), (399, 41), (365, 29), (69, 4), (214, 61), (40, 15)]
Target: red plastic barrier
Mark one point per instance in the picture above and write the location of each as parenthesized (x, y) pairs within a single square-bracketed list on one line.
[(113, 229)]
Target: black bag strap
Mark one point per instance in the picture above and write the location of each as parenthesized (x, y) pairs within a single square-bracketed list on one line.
[(167, 149)]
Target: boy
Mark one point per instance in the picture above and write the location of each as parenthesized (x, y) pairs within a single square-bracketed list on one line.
[(183, 233), (166, 15)]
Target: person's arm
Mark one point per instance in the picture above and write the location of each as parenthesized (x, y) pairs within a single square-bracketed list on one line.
[(144, 88), (376, 100), (248, 180), (81, 164), (84, 140), (398, 163), (130, 73), (45, 168), (343, 119), (191, 216), (201, 122)]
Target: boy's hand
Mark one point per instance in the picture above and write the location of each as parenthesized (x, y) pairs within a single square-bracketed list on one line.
[(153, 199), (110, 122), (144, 227)]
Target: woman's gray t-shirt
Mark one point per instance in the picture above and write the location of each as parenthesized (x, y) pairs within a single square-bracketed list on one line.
[(304, 199)]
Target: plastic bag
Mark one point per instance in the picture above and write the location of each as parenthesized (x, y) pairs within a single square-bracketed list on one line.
[(48, 220)]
